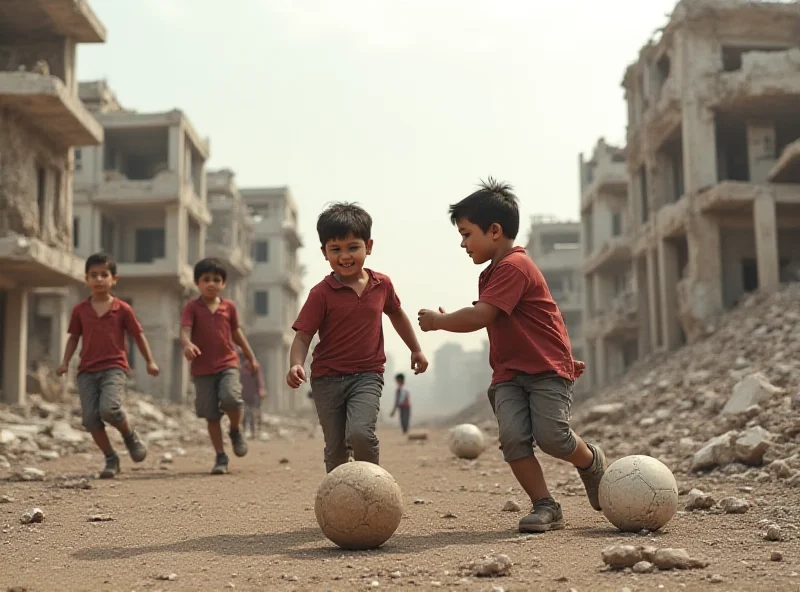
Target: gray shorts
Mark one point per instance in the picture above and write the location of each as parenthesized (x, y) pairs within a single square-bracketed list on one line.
[(101, 397), (534, 410), (216, 394)]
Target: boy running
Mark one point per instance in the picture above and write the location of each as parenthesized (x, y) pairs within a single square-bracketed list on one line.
[(529, 351), (101, 322), (346, 309), (209, 330)]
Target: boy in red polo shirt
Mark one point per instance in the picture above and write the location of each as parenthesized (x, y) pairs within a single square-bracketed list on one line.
[(101, 322), (529, 351), (209, 330), (348, 362)]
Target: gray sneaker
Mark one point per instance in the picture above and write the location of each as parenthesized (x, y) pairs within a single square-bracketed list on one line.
[(591, 477), (545, 515), (111, 469), (135, 446), (220, 465), (238, 442)]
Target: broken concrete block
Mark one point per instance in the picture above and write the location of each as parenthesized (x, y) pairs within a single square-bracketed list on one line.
[(716, 452), (751, 445), (751, 390), (610, 411)]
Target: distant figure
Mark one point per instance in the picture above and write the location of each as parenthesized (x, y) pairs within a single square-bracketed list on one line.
[(253, 392), (402, 401)]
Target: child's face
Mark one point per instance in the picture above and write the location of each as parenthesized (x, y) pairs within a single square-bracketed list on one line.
[(99, 279), (479, 245), (346, 256), (210, 285), (399, 381)]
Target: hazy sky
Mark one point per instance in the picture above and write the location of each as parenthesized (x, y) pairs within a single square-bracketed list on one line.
[(401, 105)]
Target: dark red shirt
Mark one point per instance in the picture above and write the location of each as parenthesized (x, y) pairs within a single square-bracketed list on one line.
[(529, 334), (103, 338), (212, 333), (350, 326)]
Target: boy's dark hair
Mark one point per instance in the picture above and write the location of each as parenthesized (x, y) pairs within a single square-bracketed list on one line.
[(101, 259), (214, 266), (400, 377), (341, 219), (494, 202)]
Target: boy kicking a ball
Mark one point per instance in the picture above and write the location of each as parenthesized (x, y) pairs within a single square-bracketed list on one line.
[(529, 351)]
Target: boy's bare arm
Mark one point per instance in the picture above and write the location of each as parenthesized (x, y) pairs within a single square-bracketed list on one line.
[(147, 354), (405, 330), (297, 357), (69, 351), (190, 350), (186, 336), (466, 320), (240, 340)]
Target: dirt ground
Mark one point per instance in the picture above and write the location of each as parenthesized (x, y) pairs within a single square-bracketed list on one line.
[(254, 529)]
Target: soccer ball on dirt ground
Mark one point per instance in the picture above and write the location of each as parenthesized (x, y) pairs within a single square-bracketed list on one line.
[(467, 441), (359, 505), (638, 492)]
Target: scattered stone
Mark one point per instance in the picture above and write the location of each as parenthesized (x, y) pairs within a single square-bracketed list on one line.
[(30, 474), (449, 515), (5, 499), (149, 411), (697, 500), (716, 579), (100, 518), (734, 505), (7, 438), (166, 458), (419, 501), (284, 461), (717, 451), (511, 506), (780, 468), (751, 390), (776, 556), (82, 483), (171, 577), (665, 559), (491, 566), (64, 433), (643, 567), (607, 411), (34, 516), (621, 556), (418, 436), (773, 533), (750, 447)]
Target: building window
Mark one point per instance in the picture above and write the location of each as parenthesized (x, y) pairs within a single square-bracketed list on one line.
[(262, 303), (78, 160), (107, 235), (261, 251), (76, 232), (616, 224), (150, 244), (41, 178)]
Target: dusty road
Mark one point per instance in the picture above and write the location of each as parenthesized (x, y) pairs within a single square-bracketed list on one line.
[(255, 529)]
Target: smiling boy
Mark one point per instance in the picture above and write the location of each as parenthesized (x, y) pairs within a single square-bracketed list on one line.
[(346, 309)]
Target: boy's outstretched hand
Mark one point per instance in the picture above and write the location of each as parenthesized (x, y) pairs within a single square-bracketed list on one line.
[(578, 367), (419, 362), (296, 376), (191, 351), (153, 369), (427, 318)]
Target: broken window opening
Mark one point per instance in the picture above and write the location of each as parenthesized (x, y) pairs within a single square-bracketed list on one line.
[(732, 55), (138, 154), (643, 194), (732, 150), (150, 244), (76, 232), (616, 224), (261, 303), (107, 235), (41, 196)]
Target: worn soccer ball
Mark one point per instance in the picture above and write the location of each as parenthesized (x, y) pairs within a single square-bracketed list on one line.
[(467, 441), (638, 492), (359, 505)]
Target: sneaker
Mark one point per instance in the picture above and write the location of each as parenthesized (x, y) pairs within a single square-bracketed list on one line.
[(221, 464), (591, 476), (112, 467), (545, 515), (238, 442), (135, 446)]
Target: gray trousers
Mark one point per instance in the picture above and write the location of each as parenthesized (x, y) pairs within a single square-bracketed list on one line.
[(347, 407)]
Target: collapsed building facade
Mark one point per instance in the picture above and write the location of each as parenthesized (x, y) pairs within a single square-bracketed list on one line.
[(713, 160), (41, 120), (141, 197)]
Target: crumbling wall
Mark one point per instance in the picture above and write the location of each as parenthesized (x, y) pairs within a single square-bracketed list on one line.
[(21, 152), (220, 231)]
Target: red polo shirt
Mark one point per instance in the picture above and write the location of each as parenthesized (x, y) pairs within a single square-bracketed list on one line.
[(529, 335), (212, 333), (103, 338), (350, 326)]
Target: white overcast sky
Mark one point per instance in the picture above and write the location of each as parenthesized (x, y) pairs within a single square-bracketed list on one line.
[(400, 105)]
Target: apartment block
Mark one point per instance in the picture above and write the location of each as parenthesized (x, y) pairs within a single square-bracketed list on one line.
[(610, 302), (41, 120), (229, 237), (274, 287), (555, 247), (141, 197), (714, 163)]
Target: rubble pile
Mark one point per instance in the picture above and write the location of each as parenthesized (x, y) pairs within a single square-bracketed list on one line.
[(43, 430), (729, 403)]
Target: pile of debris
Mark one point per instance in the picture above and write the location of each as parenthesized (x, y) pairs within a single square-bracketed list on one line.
[(43, 430), (727, 403)]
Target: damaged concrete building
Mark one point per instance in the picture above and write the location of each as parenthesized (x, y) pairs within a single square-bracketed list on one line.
[(141, 197), (555, 246), (275, 286), (713, 159), (41, 120), (610, 300)]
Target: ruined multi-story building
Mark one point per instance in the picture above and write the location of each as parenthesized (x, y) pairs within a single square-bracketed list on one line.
[(555, 247), (274, 286), (229, 237), (41, 119), (141, 197), (610, 305), (712, 153)]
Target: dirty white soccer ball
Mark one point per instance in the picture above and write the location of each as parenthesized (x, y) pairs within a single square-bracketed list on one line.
[(467, 441), (359, 505), (638, 492)]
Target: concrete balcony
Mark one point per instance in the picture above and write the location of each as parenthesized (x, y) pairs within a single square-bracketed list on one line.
[(232, 256), (732, 196), (293, 281), (569, 301), (117, 190), (615, 252), (607, 179), (558, 259), (618, 321), (30, 262), (159, 270), (45, 104), (291, 234)]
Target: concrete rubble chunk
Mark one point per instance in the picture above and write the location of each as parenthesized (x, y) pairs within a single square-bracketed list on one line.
[(511, 506), (643, 567), (621, 556), (149, 411), (491, 566), (751, 390), (716, 452), (64, 433), (780, 468), (34, 516), (698, 500), (734, 505), (610, 411), (666, 559), (7, 437), (751, 445)]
